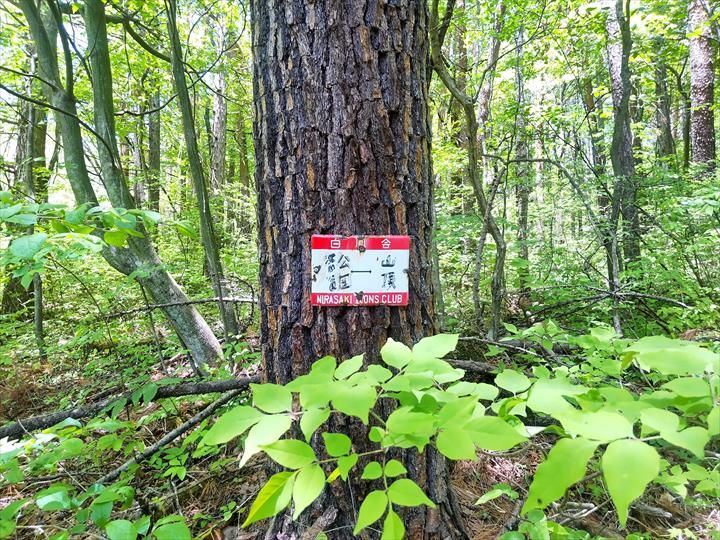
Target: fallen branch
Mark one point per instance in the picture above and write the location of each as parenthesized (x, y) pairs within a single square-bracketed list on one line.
[(522, 346), (25, 426), (171, 436), (231, 300)]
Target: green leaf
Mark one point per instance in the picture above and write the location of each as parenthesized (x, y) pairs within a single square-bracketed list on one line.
[(290, 453), (456, 444), (396, 354), (23, 219), (311, 420), (10, 210), (372, 471), (355, 401), (77, 216), (26, 247), (27, 278), (689, 387), (713, 421), (659, 419), (345, 464), (565, 465), (231, 424), (394, 468), (376, 434), (309, 484), (54, 498), (325, 367), (667, 424), (672, 356), (115, 238), (405, 492), (547, 395), (273, 497), (100, 512), (149, 391), (371, 509), (434, 346), (492, 433), (378, 373), (348, 367), (337, 444), (498, 491), (272, 398), (693, 439), (393, 527), (121, 529), (176, 530), (628, 467), (603, 426), (405, 420), (268, 430), (512, 381)]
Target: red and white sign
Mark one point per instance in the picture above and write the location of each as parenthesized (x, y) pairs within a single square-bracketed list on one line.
[(360, 270)]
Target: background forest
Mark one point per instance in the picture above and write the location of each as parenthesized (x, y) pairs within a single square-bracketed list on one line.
[(575, 251)]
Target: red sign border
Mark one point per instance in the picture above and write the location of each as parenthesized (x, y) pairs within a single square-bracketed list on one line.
[(369, 242)]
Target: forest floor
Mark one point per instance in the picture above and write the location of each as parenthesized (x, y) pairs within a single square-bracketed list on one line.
[(214, 492)]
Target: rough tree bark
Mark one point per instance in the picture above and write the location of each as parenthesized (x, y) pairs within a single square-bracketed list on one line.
[(139, 254), (702, 78), (342, 146), (207, 229)]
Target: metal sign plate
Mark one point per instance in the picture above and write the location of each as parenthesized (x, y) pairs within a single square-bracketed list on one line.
[(360, 270)]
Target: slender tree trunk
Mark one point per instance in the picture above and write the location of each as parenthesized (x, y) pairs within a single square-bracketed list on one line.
[(139, 255), (455, 113), (32, 179), (595, 129), (522, 170), (663, 116), (219, 124), (15, 297), (153, 172), (36, 184), (243, 221), (207, 230), (621, 150), (476, 124), (138, 174), (342, 146), (702, 79)]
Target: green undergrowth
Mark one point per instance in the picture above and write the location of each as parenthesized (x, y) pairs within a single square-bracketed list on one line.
[(621, 417)]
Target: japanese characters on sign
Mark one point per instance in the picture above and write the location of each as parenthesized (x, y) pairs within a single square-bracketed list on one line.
[(360, 270)]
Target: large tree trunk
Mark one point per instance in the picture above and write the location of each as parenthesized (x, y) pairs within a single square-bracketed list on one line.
[(621, 151), (207, 229), (342, 146), (702, 78), (191, 328)]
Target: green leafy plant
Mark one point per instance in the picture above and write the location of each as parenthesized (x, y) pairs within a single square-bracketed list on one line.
[(625, 432)]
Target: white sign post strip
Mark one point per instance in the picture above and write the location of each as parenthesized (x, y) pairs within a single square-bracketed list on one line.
[(360, 270)]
